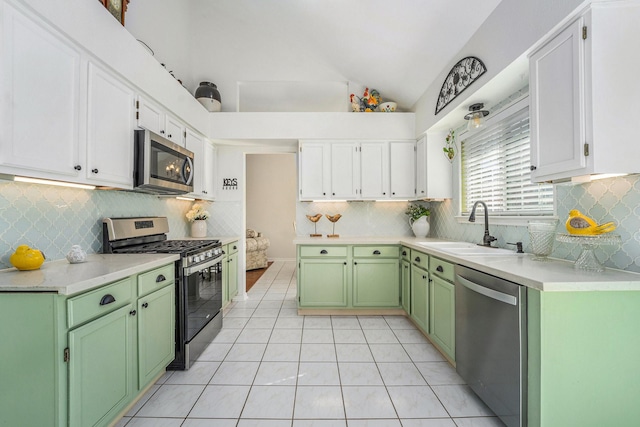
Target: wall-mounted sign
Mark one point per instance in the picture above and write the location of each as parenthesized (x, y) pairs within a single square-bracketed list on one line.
[(465, 72), (229, 183)]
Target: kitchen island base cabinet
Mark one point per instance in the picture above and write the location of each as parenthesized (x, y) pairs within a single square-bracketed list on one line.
[(584, 349)]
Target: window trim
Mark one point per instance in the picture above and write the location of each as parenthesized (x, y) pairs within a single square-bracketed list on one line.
[(500, 219)]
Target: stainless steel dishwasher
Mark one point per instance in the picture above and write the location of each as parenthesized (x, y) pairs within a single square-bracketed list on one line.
[(491, 342)]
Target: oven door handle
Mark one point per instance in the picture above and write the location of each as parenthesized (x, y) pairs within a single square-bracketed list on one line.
[(188, 271)]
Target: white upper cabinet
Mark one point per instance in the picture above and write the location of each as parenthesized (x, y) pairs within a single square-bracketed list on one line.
[(402, 169), (314, 172), (40, 84), (204, 164), (583, 86), (350, 170), (374, 170), (153, 117), (110, 124), (434, 173), (345, 165), (210, 170)]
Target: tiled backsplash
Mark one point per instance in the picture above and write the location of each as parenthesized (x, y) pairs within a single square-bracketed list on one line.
[(358, 218), (53, 219), (613, 199)]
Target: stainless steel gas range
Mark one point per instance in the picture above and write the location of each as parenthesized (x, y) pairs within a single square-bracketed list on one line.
[(198, 278)]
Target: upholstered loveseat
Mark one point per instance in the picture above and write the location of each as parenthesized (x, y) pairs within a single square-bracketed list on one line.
[(256, 247)]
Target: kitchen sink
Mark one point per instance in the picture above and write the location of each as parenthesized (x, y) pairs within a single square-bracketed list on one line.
[(467, 249)]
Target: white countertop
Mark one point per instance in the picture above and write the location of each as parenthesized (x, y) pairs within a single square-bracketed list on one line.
[(553, 275), (67, 279)]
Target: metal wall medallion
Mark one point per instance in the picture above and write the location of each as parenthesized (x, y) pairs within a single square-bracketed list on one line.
[(465, 72)]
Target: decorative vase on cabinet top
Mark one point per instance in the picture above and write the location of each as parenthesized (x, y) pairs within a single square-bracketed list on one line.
[(420, 226), (209, 96)]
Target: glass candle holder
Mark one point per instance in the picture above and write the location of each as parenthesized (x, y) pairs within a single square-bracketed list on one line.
[(542, 234)]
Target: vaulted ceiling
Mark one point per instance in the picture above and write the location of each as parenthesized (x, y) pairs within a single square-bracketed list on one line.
[(314, 51)]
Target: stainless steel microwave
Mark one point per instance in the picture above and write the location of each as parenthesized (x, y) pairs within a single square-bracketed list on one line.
[(160, 166)]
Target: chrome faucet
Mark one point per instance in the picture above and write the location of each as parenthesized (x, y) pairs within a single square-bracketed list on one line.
[(487, 238)]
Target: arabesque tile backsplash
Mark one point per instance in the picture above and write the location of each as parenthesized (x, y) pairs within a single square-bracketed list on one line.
[(54, 218)]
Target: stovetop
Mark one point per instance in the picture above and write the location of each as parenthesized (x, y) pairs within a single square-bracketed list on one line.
[(171, 246)]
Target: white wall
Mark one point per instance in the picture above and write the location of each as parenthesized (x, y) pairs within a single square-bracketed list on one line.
[(512, 29), (271, 200), (164, 26)]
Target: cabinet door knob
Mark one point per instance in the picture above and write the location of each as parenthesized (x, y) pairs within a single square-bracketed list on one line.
[(424, 277), (345, 263), (384, 194), (133, 313), (107, 299), (169, 135), (162, 132), (439, 269), (323, 252), (376, 252), (533, 168), (94, 170), (355, 263), (78, 167), (394, 193), (145, 305), (160, 278), (333, 194)]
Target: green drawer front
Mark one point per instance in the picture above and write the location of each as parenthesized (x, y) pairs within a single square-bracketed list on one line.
[(376, 251), (406, 253), (232, 248), (155, 279), (324, 251), (420, 259), (88, 306), (441, 268)]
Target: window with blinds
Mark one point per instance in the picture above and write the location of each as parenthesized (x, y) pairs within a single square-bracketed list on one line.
[(496, 169)]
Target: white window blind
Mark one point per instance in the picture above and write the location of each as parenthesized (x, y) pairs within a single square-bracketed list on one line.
[(496, 169)]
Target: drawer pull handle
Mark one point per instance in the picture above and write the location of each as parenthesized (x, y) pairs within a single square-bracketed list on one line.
[(404, 253), (417, 259), (323, 252), (439, 269), (133, 313), (235, 247), (145, 305), (376, 252), (107, 299), (160, 278)]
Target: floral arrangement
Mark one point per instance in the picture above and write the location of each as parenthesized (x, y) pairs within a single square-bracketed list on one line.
[(450, 145), (417, 211), (197, 213), (368, 103)]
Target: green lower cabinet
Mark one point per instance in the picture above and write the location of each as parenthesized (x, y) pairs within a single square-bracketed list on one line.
[(584, 349), (323, 283), (405, 280), (101, 368), (376, 283), (156, 338), (442, 315), (420, 297), (229, 272)]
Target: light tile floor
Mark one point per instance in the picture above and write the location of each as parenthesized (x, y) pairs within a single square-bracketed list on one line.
[(270, 367)]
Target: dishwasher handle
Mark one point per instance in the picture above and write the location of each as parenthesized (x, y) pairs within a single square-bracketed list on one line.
[(493, 294)]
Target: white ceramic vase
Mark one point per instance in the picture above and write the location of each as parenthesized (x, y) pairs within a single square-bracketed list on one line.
[(199, 228), (420, 226)]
